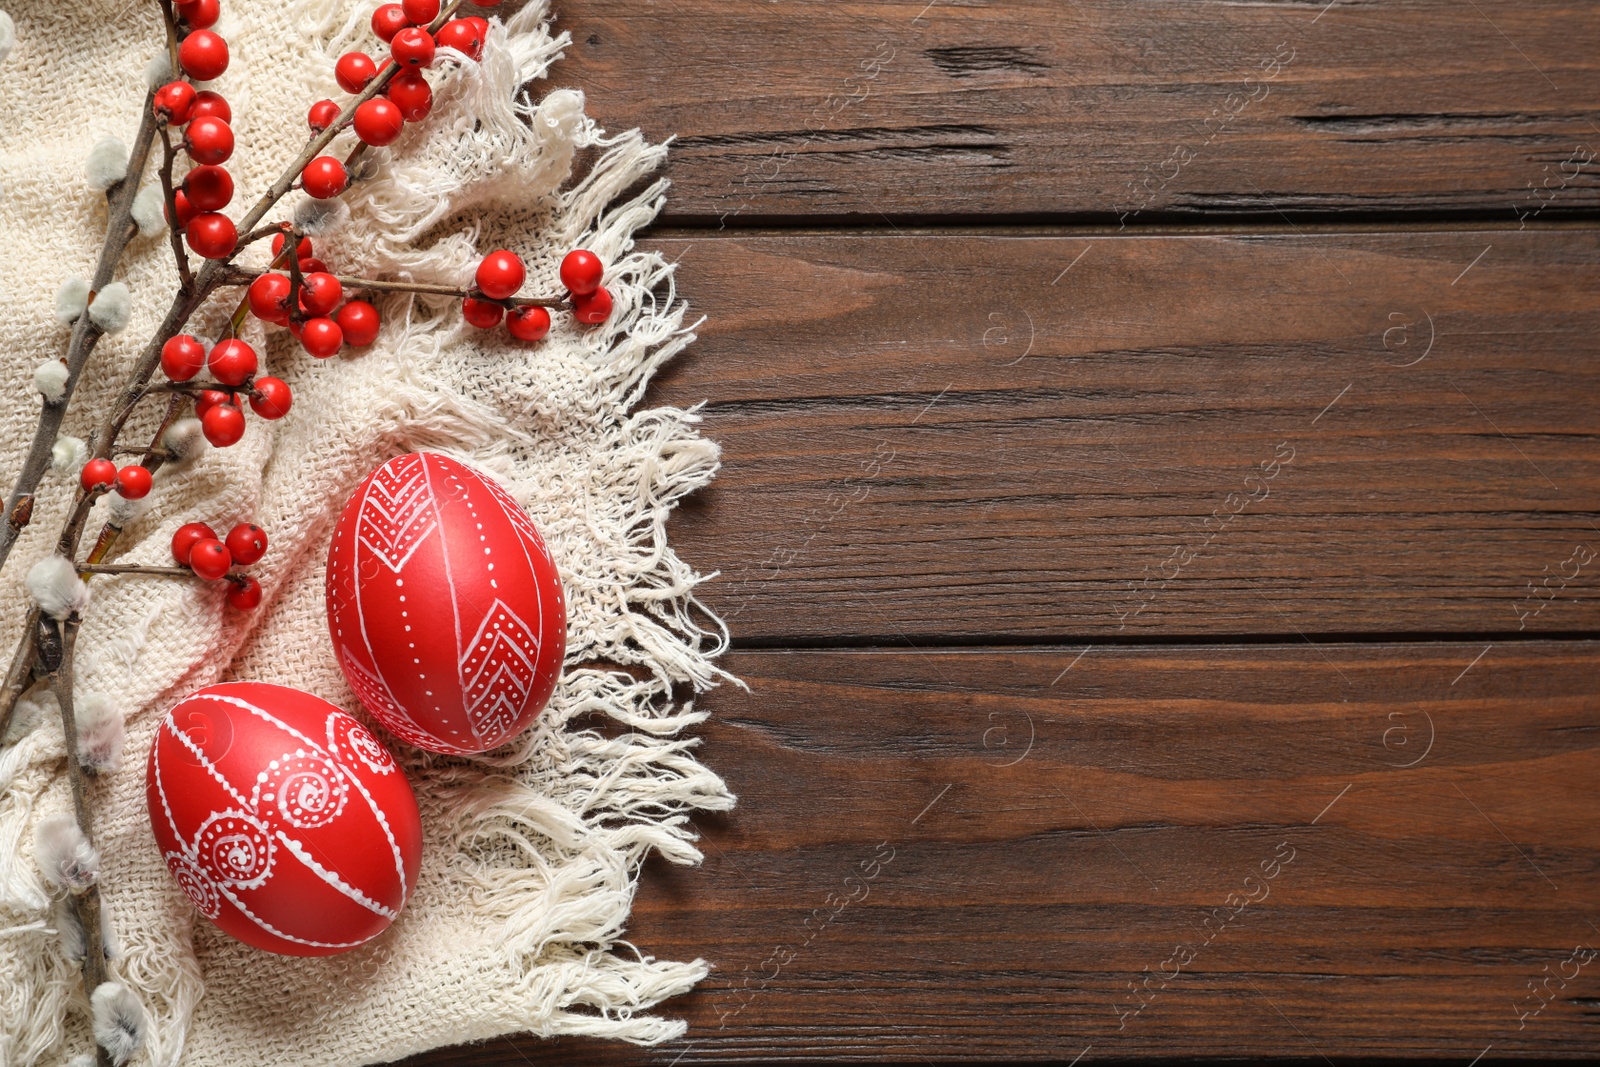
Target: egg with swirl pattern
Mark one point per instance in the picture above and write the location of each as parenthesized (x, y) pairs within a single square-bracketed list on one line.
[(444, 605), (283, 819)]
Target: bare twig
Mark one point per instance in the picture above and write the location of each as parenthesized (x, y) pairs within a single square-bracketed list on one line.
[(169, 193), (134, 568), (246, 275)]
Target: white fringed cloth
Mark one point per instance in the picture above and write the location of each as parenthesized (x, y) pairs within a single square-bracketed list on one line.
[(531, 854)]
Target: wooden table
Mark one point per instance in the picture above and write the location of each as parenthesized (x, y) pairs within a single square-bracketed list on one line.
[(1159, 528)]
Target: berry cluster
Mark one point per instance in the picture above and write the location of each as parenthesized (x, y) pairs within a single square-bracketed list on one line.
[(500, 277), (197, 546), (233, 365), (406, 97), (207, 136), (101, 475), (319, 317)]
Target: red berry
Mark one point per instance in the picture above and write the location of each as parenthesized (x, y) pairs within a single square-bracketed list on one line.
[(245, 594), (187, 536), (206, 399), (271, 398), (320, 293), (222, 425), (209, 558), (203, 55), (212, 235), (463, 36), (213, 105), (269, 298), (420, 12), (324, 177), (359, 322), (321, 337), (486, 3), (312, 265), (412, 47), (378, 121), (389, 20), (246, 543), (410, 92), (232, 362), (481, 313), (200, 14), (482, 26), (175, 103), (209, 188), (322, 115), (182, 357), (185, 209), (581, 271), (353, 71), (528, 323), (593, 308), (301, 250), (500, 275), (208, 140), (97, 474), (133, 483)]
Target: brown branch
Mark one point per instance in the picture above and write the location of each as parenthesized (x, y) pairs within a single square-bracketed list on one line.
[(61, 637), (134, 568), (170, 194), (171, 21), (246, 275), (85, 334)]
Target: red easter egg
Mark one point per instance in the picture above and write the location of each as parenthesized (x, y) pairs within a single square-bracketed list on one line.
[(282, 818), (444, 605)]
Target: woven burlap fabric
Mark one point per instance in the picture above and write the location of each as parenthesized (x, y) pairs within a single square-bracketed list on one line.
[(530, 854)]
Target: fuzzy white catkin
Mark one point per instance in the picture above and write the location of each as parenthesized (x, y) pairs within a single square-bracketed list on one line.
[(184, 441), (149, 212), (68, 454), (158, 71), (123, 511), (119, 1021), (320, 216), (54, 584), (107, 163), (112, 307), (50, 378), (100, 734), (71, 299), (65, 856), (69, 931), (30, 710), (82, 1059), (8, 35)]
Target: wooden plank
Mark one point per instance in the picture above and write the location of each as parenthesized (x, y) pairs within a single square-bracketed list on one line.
[(1101, 107), (973, 854), (964, 438)]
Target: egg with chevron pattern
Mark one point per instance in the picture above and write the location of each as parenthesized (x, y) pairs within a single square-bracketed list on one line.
[(444, 605), (282, 819)]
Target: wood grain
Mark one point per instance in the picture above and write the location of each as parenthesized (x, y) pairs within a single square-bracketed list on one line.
[(1098, 108), (1056, 824), (988, 438)]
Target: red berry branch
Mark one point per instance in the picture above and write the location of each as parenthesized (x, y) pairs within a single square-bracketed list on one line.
[(298, 292)]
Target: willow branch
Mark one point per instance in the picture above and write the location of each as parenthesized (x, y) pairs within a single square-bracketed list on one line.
[(60, 638), (85, 334)]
